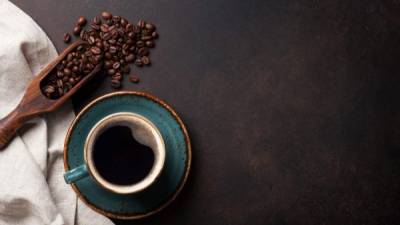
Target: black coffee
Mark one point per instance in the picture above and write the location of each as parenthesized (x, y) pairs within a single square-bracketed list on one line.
[(119, 158)]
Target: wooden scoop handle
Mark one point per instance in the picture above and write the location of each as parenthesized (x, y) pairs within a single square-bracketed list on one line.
[(8, 128)]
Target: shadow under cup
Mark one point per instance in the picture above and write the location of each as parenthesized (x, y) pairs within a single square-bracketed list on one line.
[(124, 153)]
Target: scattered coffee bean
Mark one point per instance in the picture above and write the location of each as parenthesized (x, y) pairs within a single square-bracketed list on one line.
[(141, 24), (77, 30), (130, 58), (113, 41), (150, 44), (145, 60), (150, 27), (116, 65), (67, 38), (111, 72), (138, 62), (143, 51), (106, 15), (95, 50), (116, 83), (134, 79), (81, 21), (154, 35), (116, 76)]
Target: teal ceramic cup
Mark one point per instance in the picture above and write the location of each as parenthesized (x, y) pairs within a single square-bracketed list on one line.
[(143, 130)]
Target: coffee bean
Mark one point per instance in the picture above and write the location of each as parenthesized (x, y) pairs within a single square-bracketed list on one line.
[(107, 55), (145, 32), (81, 21), (154, 35), (83, 35), (77, 30), (60, 91), (143, 51), (145, 60), (70, 64), (113, 49), (75, 69), (129, 27), (106, 15), (115, 83), (138, 62), (67, 71), (116, 19), (70, 56), (146, 38), (59, 83), (97, 20), (141, 24), (49, 90), (116, 76), (116, 65), (149, 26), (98, 58), (136, 29), (113, 41), (125, 52), (130, 58), (108, 64), (104, 28), (111, 72), (95, 26), (111, 27), (95, 50), (123, 22), (140, 44), (71, 80), (60, 74), (150, 44), (91, 40), (107, 36), (125, 46), (99, 44), (134, 79), (67, 38)]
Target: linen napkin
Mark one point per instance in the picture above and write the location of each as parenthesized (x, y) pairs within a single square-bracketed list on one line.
[(32, 189)]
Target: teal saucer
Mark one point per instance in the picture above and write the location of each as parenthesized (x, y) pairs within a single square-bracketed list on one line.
[(176, 167)]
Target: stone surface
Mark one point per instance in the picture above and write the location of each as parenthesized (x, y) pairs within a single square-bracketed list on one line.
[(292, 106)]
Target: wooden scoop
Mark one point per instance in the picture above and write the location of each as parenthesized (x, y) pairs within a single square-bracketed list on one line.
[(35, 102)]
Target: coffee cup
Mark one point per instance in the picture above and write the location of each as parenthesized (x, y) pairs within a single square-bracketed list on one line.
[(124, 153)]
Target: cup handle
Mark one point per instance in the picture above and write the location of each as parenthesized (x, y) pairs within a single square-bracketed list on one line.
[(76, 174)]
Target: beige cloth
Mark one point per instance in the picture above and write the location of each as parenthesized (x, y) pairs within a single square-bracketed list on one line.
[(32, 190)]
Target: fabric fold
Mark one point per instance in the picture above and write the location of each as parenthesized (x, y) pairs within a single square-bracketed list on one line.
[(32, 189)]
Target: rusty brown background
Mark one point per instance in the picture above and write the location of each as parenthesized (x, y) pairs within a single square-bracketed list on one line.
[(292, 106)]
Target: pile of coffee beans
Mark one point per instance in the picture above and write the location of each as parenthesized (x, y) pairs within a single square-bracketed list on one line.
[(111, 40), (119, 41), (77, 64)]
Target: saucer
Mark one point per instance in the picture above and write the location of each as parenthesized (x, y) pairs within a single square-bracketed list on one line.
[(177, 161)]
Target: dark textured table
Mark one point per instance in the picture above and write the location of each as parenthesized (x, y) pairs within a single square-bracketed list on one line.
[(292, 106)]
